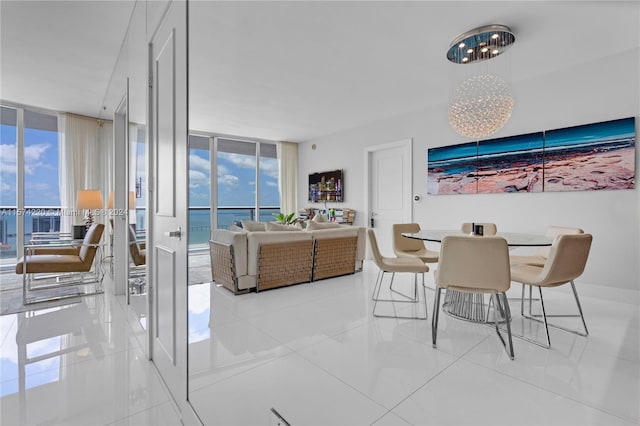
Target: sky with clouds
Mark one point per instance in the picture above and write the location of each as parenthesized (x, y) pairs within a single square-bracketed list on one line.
[(236, 173), (40, 168), (236, 180)]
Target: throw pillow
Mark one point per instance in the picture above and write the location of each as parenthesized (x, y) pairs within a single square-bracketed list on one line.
[(319, 218), (275, 226), (236, 228), (252, 226), (312, 226)]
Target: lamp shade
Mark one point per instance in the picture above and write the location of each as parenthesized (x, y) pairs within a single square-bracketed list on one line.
[(132, 200), (89, 199)]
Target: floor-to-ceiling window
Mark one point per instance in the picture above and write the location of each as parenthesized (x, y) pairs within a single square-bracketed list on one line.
[(246, 183), (199, 190), (39, 207), (8, 181), (138, 173), (269, 193)]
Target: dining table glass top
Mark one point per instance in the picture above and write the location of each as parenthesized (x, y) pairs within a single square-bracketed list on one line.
[(514, 239)]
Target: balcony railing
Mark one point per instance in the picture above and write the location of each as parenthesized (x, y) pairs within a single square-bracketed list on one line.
[(47, 219)]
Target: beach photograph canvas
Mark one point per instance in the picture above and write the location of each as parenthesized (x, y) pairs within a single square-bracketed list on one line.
[(452, 169), (511, 164), (591, 157)]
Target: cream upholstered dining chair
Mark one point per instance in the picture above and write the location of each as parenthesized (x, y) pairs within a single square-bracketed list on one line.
[(395, 265), (475, 265), (566, 262), (541, 255), (489, 229), (409, 247)]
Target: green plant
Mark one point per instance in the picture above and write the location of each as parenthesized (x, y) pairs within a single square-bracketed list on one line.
[(288, 219)]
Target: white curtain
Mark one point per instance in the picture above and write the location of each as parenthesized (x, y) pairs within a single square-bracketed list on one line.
[(83, 164), (288, 176)]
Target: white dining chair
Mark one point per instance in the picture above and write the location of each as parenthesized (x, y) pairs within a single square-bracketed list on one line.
[(395, 265), (566, 262), (478, 266)]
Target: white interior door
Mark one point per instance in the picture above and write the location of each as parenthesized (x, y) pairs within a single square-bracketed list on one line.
[(389, 174), (168, 201)]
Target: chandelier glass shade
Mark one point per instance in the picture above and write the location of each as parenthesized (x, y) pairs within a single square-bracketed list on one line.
[(480, 106), (480, 100)]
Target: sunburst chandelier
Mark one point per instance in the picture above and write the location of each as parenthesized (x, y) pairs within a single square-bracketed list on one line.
[(482, 103)]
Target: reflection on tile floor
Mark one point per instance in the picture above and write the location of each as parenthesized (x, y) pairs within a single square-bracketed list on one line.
[(315, 353), (80, 363)]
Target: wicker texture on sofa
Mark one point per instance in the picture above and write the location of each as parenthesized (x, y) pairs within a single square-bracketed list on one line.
[(283, 264)]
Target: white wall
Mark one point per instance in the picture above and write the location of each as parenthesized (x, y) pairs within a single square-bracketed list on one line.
[(604, 90)]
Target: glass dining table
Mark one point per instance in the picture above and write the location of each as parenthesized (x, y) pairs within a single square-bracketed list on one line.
[(472, 306), (514, 239)]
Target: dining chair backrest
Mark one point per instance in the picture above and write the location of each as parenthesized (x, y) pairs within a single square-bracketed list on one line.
[(375, 250), (554, 231), (489, 229), (401, 243), (468, 262), (567, 259), (91, 238)]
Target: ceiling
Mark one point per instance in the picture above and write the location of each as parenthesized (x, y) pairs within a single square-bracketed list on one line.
[(59, 55), (300, 70)]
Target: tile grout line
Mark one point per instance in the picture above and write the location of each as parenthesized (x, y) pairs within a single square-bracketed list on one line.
[(503, 373), (433, 377)]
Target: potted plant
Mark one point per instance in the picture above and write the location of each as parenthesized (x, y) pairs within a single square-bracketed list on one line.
[(288, 219)]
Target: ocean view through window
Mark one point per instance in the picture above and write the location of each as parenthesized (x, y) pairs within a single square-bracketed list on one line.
[(247, 184)]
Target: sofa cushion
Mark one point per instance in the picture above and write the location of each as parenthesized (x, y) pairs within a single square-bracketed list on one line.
[(252, 226), (319, 218), (275, 226), (312, 226)]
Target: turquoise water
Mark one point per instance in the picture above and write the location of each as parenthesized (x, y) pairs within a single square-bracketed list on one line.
[(200, 222)]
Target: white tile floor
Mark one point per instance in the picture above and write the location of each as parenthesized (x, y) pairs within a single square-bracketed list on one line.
[(315, 353)]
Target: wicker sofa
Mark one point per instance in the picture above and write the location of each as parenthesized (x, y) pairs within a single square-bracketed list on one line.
[(244, 261)]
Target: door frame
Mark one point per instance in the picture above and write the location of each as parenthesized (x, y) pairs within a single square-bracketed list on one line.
[(407, 146), (120, 247)]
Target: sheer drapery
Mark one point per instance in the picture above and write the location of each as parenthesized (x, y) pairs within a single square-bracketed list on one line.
[(83, 163), (288, 176)]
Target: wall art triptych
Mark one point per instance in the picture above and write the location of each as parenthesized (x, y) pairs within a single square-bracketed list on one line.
[(581, 158)]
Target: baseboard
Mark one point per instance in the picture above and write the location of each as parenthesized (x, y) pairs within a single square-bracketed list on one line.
[(611, 294)]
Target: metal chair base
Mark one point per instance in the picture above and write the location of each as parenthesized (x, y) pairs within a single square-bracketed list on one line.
[(376, 296), (544, 316), (379, 279), (505, 316)]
